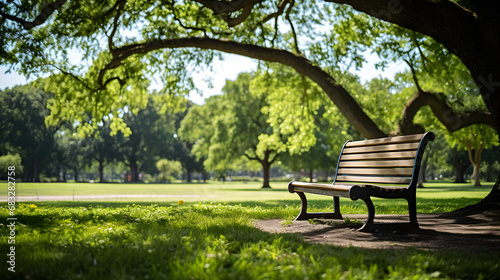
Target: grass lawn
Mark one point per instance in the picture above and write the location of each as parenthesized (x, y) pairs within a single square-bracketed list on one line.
[(211, 236)]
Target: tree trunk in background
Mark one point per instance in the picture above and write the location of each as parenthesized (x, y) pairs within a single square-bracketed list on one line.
[(36, 170), (460, 172), (134, 171), (266, 170), (101, 172), (76, 174), (475, 160), (475, 174), (188, 175), (311, 174)]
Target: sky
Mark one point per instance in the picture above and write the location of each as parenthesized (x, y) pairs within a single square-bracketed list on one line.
[(227, 69)]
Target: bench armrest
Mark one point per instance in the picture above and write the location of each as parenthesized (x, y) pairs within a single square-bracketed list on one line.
[(337, 190)]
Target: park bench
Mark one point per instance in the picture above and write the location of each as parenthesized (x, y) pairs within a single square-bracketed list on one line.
[(384, 167)]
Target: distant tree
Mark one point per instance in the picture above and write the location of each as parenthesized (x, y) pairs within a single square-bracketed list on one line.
[(323, 155), (152, 137), (24, 109), (245, 121), (474, 139), (73, 151), (104, 148), (169, 169), (230, 126), (183, 148), (10, 160)]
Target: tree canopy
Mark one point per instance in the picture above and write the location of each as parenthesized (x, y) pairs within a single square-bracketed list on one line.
[(124, 43)]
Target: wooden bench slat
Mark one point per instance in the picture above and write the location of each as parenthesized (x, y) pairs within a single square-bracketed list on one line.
[(378, 163), (373, 179), (381, 148), (387, 140), (331, 192), (387, 155), (375, 171), (320, 186)]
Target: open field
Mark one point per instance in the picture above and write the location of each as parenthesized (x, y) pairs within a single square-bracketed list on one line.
[(205, 192), (435, 198), (212, 236)]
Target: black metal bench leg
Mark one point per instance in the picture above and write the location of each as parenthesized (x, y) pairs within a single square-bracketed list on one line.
[(412, 209), (303, 215), (369, 224), (303, 210)]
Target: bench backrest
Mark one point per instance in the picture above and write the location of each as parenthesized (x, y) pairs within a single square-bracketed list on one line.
[(391, 160)]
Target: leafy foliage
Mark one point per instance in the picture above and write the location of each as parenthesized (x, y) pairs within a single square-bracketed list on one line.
[(24, 130)]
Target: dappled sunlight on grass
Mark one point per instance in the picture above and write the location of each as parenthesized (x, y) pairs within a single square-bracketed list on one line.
[(204, 241)]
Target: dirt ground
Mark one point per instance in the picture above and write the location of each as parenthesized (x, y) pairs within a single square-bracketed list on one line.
[(437, 231)]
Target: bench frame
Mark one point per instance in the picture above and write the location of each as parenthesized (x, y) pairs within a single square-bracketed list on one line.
[(342, 187)]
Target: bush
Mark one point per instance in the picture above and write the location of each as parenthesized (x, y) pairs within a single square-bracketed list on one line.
[(10, 160)]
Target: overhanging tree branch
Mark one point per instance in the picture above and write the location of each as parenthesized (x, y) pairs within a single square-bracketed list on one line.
[(445, 114), (339, 96), (45, 13)]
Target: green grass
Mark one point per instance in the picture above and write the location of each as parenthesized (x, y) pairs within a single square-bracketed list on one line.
[(216, 240)]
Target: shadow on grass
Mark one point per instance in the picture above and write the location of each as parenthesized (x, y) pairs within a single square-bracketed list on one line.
[(178, 248)]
